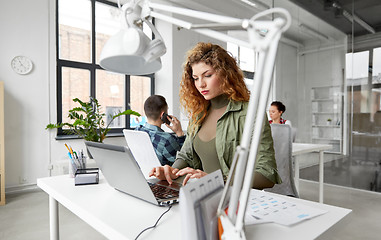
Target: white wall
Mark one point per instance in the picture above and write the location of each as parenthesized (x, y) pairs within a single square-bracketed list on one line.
[(25, 31), (297, 73), (286, 81), (316, 69)]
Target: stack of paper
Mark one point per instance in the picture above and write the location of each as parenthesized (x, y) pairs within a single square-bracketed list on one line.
[(265, 207)]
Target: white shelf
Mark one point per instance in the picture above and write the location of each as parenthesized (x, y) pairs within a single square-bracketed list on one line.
[(320, 87), (323, 100), (326, 139), (326, 126), (324, 113), (327, 104), (333, 152)]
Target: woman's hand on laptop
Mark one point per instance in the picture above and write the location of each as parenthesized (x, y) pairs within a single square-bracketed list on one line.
[(164, 173), (190, 174)]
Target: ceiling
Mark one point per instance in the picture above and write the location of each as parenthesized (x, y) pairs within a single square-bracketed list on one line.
[(240, 9), (318, 15), (332, 12)]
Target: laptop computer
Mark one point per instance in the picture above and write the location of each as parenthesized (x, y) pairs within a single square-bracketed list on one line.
[(123, 173)]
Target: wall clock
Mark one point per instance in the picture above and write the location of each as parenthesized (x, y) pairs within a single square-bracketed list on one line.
[(22, 65)]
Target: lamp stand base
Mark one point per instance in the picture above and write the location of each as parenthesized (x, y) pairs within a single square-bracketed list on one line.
[(228, 231)]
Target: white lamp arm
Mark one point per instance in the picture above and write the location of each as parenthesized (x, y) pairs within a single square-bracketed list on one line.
[(220, 22), (192, 13), (149, 9)]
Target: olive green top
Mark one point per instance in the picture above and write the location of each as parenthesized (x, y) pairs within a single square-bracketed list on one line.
[(228, 136), (205, 141), (207, 153)]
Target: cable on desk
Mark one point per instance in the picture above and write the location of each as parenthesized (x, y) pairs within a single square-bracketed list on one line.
[(169, 208)]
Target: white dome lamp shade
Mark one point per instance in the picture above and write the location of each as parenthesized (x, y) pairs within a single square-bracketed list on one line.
[(130, 51)]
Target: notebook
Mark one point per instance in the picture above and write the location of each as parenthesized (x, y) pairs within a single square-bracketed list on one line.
[(123, 173), (141, 147)]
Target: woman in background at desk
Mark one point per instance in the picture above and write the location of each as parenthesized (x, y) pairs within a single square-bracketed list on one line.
[(214, 93), (276, 110)]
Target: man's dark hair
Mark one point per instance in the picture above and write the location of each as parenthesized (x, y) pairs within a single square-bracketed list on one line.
[(154, 105), (281, 107)]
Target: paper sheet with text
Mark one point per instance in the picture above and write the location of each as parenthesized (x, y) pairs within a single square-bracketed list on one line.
[(264, 207)]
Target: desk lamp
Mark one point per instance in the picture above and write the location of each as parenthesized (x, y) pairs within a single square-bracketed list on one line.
[(145, 54), (130, 51)]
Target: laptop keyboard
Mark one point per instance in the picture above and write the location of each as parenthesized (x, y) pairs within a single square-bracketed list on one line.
[(163, 192)]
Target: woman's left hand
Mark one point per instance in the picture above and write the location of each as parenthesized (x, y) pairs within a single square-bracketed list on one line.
[(190, 174)]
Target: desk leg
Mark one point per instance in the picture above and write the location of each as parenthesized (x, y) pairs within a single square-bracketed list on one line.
[(321, 176), (296, 178), (53, 215)]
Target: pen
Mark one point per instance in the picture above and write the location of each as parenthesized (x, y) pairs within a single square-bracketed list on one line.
[(83, 159), (67, 147), (71, 150), (80, 160)]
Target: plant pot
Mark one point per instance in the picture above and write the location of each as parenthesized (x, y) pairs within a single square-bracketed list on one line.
[(88, 154)]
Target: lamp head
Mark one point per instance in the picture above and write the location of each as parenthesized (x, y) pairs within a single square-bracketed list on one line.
[(130, 51), (127, 52)]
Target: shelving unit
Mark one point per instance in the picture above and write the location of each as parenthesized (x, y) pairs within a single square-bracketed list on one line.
[(2, 156), (327, 104)]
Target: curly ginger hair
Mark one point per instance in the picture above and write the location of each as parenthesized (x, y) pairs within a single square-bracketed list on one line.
[(226, 67)]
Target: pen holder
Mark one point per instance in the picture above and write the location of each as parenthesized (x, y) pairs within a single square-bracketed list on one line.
[(75, 164), (71, 168), (86, 176)]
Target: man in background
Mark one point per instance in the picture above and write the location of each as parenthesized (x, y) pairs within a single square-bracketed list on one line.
[(165, 144)]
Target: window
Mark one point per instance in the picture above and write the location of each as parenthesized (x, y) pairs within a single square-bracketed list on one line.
[(246, 59), (83, 27)]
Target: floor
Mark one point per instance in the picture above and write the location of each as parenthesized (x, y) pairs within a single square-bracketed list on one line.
[(26, 215), (361, 223)]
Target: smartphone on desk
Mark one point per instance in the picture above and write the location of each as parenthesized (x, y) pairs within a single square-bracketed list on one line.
[(165, 119)]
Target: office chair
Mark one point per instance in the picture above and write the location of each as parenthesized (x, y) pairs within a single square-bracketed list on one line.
[(282, 137), (293, 131)]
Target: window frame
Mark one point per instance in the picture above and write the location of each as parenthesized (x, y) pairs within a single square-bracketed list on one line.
[(91, 67)]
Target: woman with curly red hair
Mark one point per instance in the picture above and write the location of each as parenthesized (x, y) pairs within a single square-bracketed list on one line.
[(214, 94)]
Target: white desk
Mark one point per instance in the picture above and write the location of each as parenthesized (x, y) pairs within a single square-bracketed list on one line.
[(119, 216), (303, 148)]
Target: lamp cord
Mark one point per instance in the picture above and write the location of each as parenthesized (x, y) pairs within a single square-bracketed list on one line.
[(169, 208)]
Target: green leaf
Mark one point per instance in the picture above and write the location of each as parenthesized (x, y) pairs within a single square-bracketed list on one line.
[(127, 112), (89, 120)]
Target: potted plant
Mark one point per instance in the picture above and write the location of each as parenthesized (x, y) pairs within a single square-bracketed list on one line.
[(329, 121), (88, 121)]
